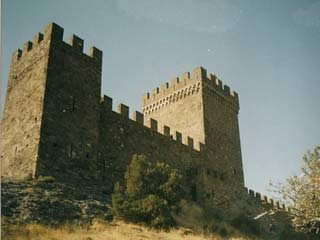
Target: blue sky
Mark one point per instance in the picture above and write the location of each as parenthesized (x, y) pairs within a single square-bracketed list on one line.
[(268, 51)]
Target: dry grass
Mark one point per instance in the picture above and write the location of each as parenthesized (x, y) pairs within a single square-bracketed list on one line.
[(100, 230)]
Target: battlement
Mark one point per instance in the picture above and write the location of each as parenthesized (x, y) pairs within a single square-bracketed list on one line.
[(267, 201), (53, 34), (151, 124), (184, 86)]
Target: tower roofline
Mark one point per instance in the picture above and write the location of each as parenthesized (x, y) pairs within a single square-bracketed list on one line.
[(186, 83), (54, 33)]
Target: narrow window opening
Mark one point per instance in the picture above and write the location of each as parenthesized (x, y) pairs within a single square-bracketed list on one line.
[(73, 103), (103, 169), (71, 151), (87, 155), (234, 171), (194, 193), (215, 174), (221, 176)]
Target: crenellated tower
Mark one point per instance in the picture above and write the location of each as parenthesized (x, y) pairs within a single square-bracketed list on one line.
[(56, 124), (50, 123), (200, 106)]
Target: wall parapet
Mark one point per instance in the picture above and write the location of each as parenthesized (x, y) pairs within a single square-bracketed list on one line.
[(152, 124), (54, 33), (184, 86), (264, 200)]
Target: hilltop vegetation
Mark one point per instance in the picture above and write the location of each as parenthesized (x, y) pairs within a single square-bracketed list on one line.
[(151, 193)]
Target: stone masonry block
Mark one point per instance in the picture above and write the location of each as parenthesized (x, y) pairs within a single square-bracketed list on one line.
[(123, 110), (27, 46), (95, 53), (153, 125), (76, 43), (166, 131), (16, 55), (270, 201), (185, 76), (37, 38), (54, 32), (199, 73), (178, 137), (258, 196), (226, 89), (218, 83), (190, 142), (107, 103), (251, 192), (138, 117)]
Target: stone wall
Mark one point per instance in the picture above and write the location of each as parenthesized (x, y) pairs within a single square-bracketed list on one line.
[(121, 137), (178, 105), (50, 124), (222, 139), (263, 210), (199, 105), (70, 129), (20, 126)]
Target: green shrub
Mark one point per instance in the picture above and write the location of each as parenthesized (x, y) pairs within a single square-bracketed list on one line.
[(289, 233), (150, 194), (223, 232)]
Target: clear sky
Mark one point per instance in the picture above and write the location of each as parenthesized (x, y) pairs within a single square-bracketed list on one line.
[(266, 50)]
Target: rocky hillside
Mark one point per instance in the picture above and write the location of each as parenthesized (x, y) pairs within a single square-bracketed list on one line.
[(49, 202), (47, 209)]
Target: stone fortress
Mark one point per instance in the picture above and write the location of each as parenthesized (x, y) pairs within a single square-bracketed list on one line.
[(55, 123)]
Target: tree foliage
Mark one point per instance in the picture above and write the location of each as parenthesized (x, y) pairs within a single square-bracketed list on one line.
[(303, 194), (150, 193)]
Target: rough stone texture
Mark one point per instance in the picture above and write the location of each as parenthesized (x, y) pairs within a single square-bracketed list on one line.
[(56, 124), (21, 123), (50, 123), (69, 133), (200, 107), (125, 137), (48, 202), (179, 106)]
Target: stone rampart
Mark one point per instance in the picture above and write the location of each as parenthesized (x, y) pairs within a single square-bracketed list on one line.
[(267, 202), (122, 136), (184, 86)]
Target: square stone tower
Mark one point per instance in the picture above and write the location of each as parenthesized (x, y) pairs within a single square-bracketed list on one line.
[(50, 122), (201, 107)]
